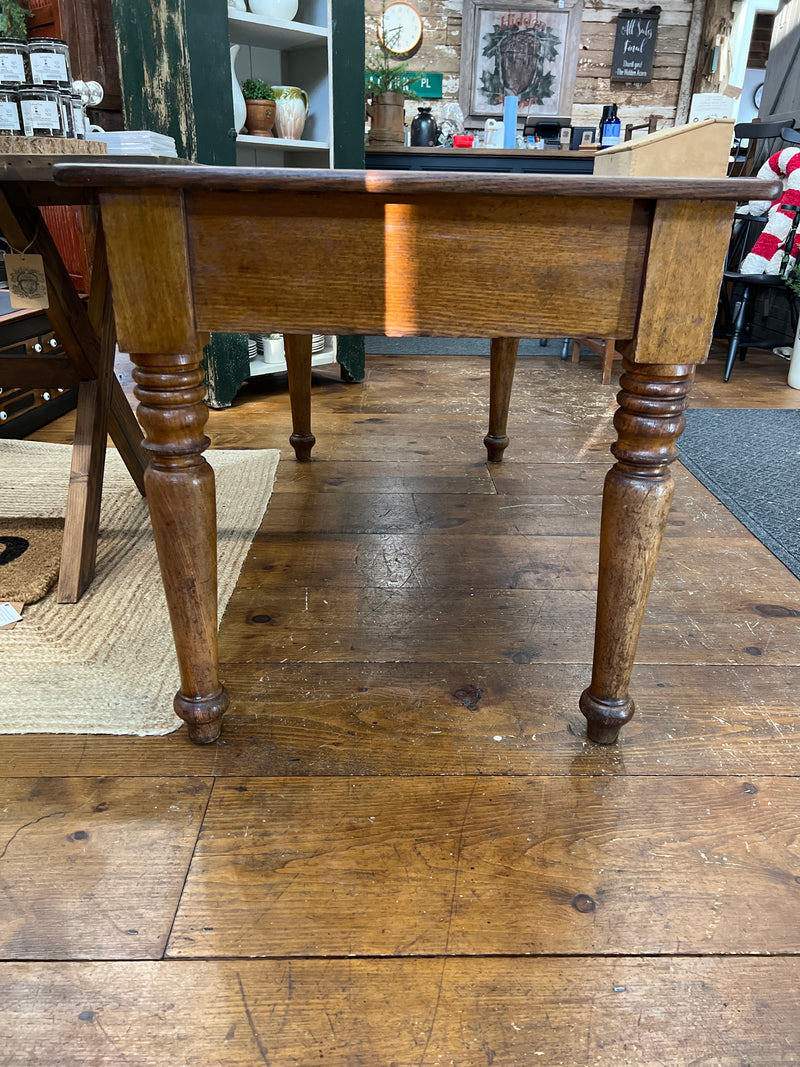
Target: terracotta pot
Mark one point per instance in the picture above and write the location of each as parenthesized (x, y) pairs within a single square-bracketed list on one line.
[(260, 117), (386, 119)]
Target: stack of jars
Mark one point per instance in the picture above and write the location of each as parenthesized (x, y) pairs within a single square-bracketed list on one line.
[(37, 98)]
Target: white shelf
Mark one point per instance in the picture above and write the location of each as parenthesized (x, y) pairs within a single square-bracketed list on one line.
[(288, 52), (282, 143), (283, 36)]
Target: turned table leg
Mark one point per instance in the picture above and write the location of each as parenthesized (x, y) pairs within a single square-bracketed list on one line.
[(297, 349), (181, 497), (503, 360), (636, 500)]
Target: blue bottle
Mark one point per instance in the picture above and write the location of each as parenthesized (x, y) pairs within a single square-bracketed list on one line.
[(611, 128)]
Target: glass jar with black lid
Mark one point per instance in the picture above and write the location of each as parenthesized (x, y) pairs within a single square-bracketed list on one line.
[(10, 122), (40, 110), (14, 69), (48, 59)]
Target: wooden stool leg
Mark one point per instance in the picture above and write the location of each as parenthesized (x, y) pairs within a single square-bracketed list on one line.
[(297, 348), (576, 351), (82, 514), (609, 344), (636, 500), (181, 497), (503, 361), (127, 434)]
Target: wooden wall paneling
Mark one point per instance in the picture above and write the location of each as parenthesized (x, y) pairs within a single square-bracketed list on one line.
[(88, 29), (780, 99), (45, 19)]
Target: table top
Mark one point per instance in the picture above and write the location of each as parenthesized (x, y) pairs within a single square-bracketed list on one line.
[(195, 177)]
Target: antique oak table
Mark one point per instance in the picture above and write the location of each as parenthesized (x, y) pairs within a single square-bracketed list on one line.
[(190, 250)]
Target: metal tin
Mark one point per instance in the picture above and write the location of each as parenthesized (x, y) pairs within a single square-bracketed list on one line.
[(10, 120), (48, 60), (14, 69), (40, 109)]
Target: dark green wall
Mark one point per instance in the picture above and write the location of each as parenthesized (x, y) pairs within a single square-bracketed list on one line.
[(348, 129)]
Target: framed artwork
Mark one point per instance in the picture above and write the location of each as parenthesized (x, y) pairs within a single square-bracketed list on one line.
[(523, 48)]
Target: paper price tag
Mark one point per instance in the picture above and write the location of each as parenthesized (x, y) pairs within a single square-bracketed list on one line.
[(9, 615), (27, 285)]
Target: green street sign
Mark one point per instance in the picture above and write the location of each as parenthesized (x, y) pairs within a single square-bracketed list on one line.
[(428, 86)]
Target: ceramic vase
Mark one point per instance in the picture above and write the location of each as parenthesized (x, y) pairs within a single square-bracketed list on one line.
[(794, 366), (239, 105), (291, 111), (274, 9)]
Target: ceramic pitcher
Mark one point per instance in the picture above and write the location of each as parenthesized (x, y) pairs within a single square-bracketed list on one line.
[(291, 110)]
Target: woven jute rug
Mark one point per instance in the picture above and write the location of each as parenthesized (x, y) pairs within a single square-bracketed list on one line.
[(107, 665), (30, 553)]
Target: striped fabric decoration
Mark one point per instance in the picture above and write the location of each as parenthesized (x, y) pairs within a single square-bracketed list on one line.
[(767, 253)]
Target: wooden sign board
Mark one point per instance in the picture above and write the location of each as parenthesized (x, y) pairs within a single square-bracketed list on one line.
[(635, 45)]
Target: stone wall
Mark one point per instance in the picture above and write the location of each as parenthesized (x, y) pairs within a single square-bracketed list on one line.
[(441, 52)]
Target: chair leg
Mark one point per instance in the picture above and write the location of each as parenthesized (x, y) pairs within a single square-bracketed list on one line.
[(576, 352), (740, 317), (608, 359)]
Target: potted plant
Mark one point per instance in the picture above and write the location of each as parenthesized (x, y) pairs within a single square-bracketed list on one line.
[(260, 100), (14, 17), (387, 85)]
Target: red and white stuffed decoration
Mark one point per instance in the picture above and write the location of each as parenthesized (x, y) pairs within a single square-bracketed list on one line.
[(767, 253)]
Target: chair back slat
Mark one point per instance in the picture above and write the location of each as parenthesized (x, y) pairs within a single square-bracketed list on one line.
[(754, 143)]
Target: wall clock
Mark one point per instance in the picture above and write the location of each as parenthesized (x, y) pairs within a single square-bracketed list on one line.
[(400, 28), (757, 95)]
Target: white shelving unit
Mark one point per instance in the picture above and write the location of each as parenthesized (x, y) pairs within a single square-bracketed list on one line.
[(288, 53)]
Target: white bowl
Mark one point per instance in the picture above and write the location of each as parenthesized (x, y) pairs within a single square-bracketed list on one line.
[(274, 9)]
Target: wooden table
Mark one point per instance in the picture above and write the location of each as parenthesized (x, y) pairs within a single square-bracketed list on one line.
[(191, 250)]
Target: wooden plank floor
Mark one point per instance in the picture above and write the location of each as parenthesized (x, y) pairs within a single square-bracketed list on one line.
[(402, 851)]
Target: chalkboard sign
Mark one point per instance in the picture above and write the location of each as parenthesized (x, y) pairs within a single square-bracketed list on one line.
[(635, 45)]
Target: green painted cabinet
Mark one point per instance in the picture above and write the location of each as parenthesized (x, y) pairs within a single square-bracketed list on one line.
[(175, 69)]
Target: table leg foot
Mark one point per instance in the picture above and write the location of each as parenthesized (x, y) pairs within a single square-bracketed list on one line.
[(302, 443), (202, 715), (495, 447), (605, 718)]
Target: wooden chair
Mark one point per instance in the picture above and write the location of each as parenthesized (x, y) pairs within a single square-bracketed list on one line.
[(738, 292), (606, 348), (753, 144), (651, 126)]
